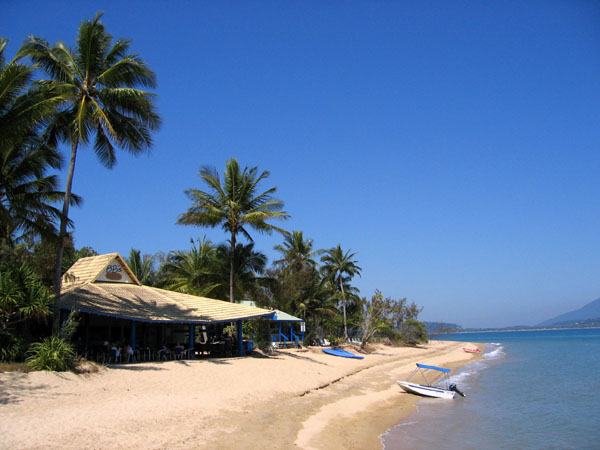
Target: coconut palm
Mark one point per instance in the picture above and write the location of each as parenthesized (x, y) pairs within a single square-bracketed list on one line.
[(142, 266), (248, 269), (234, 205), (27, 193), (297, 252), (192, 272), (100, 83), (340, 268), (23, 107)]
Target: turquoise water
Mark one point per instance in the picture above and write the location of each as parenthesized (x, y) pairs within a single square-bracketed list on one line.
[(532, 390)]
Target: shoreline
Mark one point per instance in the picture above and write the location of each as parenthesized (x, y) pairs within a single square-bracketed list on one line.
[(521, 329), (302, 398)]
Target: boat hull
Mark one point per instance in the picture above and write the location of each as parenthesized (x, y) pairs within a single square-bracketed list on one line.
[(426, 391), (471, 350)]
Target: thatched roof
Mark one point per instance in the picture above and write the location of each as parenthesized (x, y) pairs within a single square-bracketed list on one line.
[(88, 270), (91, 286)]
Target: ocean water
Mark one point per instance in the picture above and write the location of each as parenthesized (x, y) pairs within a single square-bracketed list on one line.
[(531, 390)]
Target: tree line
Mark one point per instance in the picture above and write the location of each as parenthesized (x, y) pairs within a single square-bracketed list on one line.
[(55, 99)]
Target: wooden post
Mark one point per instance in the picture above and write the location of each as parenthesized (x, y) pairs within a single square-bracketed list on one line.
[(192, 341), (240, 341), (133, 334), (64, 314), (86, 331)]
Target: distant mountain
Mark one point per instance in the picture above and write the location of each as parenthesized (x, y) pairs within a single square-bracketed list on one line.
[(585, 313), (442, 327)]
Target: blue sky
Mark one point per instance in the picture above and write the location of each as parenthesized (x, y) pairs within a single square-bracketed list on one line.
[(452, 145)]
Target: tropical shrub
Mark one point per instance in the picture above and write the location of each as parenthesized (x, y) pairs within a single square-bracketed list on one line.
[(414, 332), (335, 341), (23, 298), (259, 331), (11, 347), (52, 353)]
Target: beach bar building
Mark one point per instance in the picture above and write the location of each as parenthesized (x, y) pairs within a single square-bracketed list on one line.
[(286, 329), (286, 334), (114, 305)]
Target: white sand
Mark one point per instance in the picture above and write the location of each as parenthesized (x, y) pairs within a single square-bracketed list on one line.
[(302, 398)]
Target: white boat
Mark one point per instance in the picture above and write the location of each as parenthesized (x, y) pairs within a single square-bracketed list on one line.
[(428, 389)]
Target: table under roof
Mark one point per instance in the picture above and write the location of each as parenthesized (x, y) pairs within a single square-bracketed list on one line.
[(105, 285)]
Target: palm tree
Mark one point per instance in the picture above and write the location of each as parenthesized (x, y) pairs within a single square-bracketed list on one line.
[(192, 272), (297, 253), (142, 266), (99, 83), (248, 269), (26, 191), (234, 205), (340, 268)]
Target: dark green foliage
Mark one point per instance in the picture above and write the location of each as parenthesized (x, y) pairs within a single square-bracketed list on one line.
[(23, 298), (392, 319), (235, 205), (259, 331), (102, 103), (68, 329), (413, 332), (193, 272), (41, 257), (11, 347), (340, 268), (142, 267), (248, 270), (27, 192), (52, 353)]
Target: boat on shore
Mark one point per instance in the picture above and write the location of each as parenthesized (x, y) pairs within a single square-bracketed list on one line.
[(342, 353), (431, 375), (471, 350)]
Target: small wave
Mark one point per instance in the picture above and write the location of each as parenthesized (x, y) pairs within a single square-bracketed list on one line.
[(465, 373), (496, 353), (390, 432)]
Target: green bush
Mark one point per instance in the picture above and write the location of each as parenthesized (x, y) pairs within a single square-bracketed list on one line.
[(51, 354), (334, 340), (414, 332), (259, 331), (11, 347)]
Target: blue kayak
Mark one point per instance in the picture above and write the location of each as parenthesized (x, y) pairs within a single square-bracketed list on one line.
[(342, 353)]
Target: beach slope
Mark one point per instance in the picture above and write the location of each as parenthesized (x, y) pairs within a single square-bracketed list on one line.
[(294, 398)]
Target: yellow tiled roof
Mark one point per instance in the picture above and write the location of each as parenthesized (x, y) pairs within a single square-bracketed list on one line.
[(134, 301)]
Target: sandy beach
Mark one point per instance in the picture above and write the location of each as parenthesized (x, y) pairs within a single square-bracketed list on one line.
[(295, 398)]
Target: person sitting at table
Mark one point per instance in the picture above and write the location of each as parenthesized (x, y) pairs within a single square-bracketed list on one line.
[(115, 352), (163, 353), (179, 350), (129, 355), (228, 344)]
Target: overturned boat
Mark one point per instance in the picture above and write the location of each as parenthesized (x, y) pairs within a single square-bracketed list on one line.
[(431, 375)]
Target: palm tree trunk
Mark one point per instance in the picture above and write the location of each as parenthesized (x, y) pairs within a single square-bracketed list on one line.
[(344, 308), (231, 266), (62, 236)]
